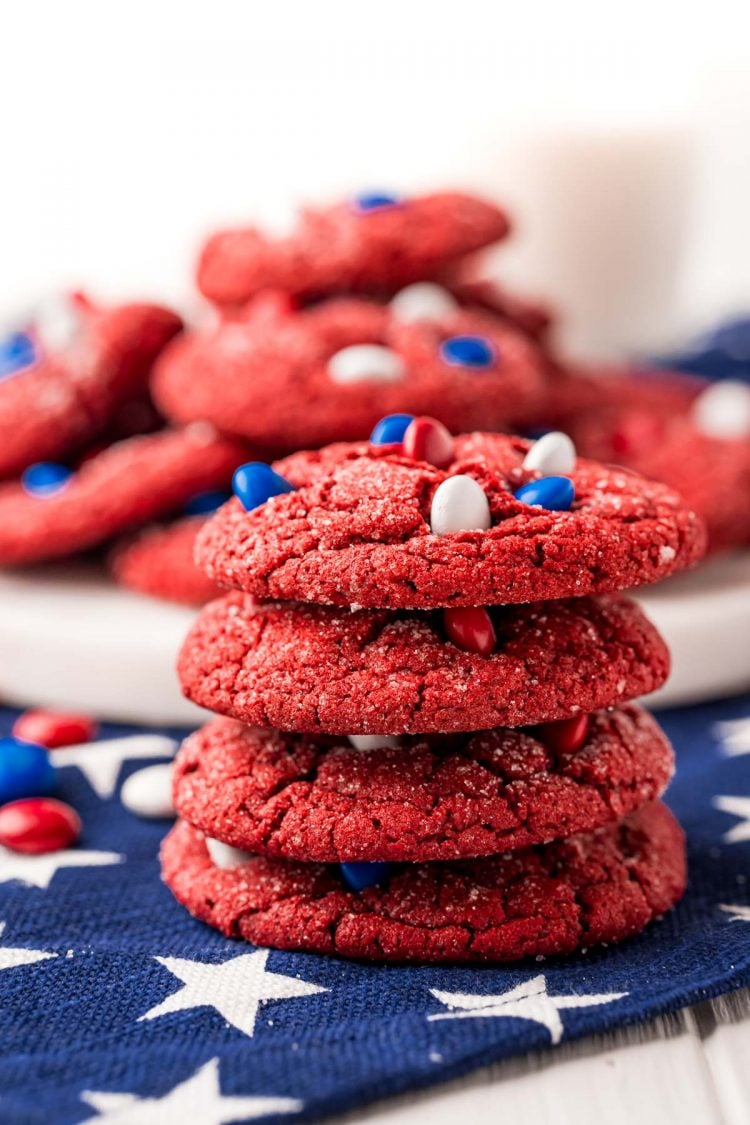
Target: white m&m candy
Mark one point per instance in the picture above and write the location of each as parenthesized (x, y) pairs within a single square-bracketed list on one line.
[(57, 321), (148, 792), (423, 301), (723, 411), (373, 741), (553, 455), (459, 504), (224, 855), (363, 362)]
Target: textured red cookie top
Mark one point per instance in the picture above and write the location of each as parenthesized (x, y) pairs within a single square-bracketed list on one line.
[(158, 561), (73, 390), (439, 798), (357, 532), (538, 902), (648, 423), (128, 484), (310, 668), (349, 248), (271, 376), (712, 474)]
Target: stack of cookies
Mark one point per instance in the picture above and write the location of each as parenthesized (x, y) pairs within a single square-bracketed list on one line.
[(425, 669)]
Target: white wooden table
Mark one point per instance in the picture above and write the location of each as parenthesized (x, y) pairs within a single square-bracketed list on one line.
[(692, 1066)]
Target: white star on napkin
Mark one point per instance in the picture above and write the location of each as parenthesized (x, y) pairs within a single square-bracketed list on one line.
[(197, 1099), (736, 806), (235, 988), (734, 735), (738, 913), (527, 1001), (38, 870), (100, 762), (11, 956)]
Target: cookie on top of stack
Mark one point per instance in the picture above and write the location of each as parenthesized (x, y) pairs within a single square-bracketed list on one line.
[(427, 747)]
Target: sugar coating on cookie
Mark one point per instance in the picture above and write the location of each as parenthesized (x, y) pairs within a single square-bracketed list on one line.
[(711, 473), (125, 486), (651, 424), (537, 902), (77, 382), (357, 532), (297, 379), (441, 798), (311, 668), (350, 248), (158, 561)]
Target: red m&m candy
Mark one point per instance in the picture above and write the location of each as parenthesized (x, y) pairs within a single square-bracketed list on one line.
[(38, 824), (471, 629), (565, 736), (54, 728), (426, 439)]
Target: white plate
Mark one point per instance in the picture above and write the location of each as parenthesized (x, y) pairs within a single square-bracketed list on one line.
[(705, 617), (72, 639)]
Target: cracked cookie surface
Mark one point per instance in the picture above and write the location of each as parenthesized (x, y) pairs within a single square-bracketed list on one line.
[(441, 798), (357, 532), (319, 669), (537, 902)]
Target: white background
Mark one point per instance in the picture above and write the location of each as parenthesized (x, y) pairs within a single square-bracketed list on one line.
[(619, 135)]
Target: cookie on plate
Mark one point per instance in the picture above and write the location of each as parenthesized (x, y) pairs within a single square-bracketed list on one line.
[(537, 902), (68, 369), (309, 668), (702, 452), (55, 511), (372, 242), (294, 379), (158, 561)]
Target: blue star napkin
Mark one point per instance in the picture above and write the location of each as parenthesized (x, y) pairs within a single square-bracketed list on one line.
[(119, 1006)]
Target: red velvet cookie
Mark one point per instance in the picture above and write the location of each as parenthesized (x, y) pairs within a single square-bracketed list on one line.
[(158, 561), (712, 474), (286, 379), (78, 377), (353, 246), (534, 319), (439, 798), (358, 532), (710, 471), (315, 669), (587, 402), (539, 902), (126, 485)]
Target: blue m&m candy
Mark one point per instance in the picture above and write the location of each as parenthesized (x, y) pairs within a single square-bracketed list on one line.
[(45, 478), (25, 770), (556, 494), (17, 351), (375, 201), (358, 876), (256, 482), (391, 429), (467, 351), (205, 502)]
